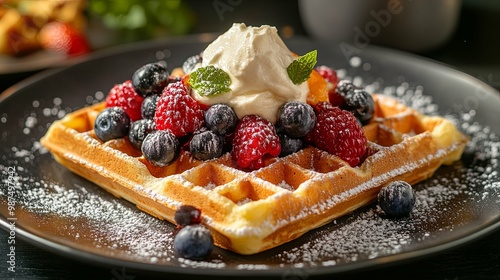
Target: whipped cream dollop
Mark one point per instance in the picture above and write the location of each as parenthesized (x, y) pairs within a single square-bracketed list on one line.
[(256, 60)]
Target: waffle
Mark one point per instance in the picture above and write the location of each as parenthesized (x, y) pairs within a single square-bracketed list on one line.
[(249, 212)]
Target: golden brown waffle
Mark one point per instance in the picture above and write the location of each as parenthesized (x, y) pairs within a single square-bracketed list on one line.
[(249, 212)]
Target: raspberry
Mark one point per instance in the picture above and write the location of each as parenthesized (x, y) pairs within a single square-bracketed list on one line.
[(254, 139), (178, 112), (338, 133), (328, 73), (124, 96)]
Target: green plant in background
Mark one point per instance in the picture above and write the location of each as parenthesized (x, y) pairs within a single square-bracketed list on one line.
[(143, 19)]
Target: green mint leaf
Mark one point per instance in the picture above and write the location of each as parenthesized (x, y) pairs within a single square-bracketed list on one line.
[(209, 81), (300, 69)]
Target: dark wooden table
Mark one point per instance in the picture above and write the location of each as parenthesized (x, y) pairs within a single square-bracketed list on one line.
[(478, 259), (473, 49)]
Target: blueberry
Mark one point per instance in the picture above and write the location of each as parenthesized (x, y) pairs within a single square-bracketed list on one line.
[(361, 104), (160, 147), (193, 242), (148, 107), (111, 123), (139, 130), (206, 145), (187, 215), (221, 119), (356, 100), (289, 145), (190, 63), (296, 119), (150, 79), (344, 87), (397, 199)]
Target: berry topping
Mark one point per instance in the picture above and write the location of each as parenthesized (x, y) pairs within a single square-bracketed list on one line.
[(221, 119), (148, 107), (193, 242), (290, 145), (150, 79), (206, 145), (296, 119), (124, 96), (356, 100), (187, 215), (139, 130), (343, 88), (338, 132), (397, 199), (318, 88), (361, 104), (190, 64), (254, 139), (328, 73), (160, 147), (111, 123), (178, 111)]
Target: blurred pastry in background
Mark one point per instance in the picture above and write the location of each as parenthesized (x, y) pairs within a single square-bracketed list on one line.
[(53, 25)]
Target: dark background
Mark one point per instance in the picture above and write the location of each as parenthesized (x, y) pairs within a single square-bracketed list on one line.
[(472, 49)]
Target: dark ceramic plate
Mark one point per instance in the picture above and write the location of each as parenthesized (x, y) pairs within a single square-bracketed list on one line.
[(34, 61), (61, 212)]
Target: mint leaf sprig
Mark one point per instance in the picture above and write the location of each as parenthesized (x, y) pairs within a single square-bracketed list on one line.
[(209, 81), (300, 69)]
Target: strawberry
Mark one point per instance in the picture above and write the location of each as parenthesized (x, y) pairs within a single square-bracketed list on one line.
[(64, 38), (255, 139), (338, 132)]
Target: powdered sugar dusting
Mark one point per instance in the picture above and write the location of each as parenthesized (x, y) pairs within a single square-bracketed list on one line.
[(100, 223), (369, 234)]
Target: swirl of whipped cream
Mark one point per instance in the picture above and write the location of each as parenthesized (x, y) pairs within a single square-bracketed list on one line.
[(256, 59)]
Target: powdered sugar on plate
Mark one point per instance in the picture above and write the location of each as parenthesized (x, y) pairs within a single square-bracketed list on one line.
[(457, 199)]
